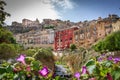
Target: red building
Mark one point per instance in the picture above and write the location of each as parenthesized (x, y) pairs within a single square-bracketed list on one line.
[(63, 38)]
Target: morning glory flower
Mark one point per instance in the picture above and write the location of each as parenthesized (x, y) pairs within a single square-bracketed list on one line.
[(21, 59), (99, 59), (77, 75), (103, 55), (44, 72), (110, 58), (116, 60), (84, 70)]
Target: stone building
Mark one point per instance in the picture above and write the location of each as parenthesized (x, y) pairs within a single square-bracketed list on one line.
[(90, 32), (85, 36), (116, 25), (36, 38), (16, 24), (29, 23)]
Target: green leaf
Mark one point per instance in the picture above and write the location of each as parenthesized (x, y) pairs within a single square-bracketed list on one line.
[(21, 76), (2, 75), (97, 70), (9, 69), (16, 77), (117, 76), (91, 69), (90, 62), (2, 70), (35, 65)]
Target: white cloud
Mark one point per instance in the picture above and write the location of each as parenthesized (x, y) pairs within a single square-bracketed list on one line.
[(66, 4), (40, 9)]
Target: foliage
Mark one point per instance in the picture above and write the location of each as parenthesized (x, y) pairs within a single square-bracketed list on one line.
[(30, 70), (8, 46), (7, 51), (77, 59), (110, 43), (3, 14), (104, 67), (21, 71), (46, 57), (6, 36), (43, 53), (49, 27), (72, 47), (29, 52)]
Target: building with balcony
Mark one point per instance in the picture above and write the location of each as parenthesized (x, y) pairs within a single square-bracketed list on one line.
[(63, 38), (89, 33), (116, 26)]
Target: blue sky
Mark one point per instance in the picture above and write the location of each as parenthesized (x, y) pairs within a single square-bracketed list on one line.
[(92, 9), (73, 10)]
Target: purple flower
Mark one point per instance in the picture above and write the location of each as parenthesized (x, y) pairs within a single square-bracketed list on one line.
[(109, 77), (116, 60), (21, 59), (110, 58), (99, 59), (77, 75), (84, 70), (44, 72), (103, 55)]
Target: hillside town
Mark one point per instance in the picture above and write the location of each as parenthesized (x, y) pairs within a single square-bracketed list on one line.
[(69, 44), (59, 34)]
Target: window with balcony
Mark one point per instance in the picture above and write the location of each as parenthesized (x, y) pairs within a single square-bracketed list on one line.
[(82, 36)]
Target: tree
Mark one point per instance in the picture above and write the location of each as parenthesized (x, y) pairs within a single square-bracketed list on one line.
[(7, 51), (8, 46), (99, 47), (110, 43), (6, 36), (72, 47), (3, 14), (50, 27)]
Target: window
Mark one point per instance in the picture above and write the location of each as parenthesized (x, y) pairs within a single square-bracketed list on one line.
[(76, 37), (82, 36), (70, 38)]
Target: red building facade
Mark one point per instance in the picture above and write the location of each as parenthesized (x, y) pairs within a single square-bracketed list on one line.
[(63, 38)]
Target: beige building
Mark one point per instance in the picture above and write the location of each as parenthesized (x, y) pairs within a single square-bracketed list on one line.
[(116, 26), (95, 30), (85, 36), (29, 23), (34, 38)]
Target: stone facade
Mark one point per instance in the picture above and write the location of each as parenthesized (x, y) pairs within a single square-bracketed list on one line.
[(63, 33), (29, 23), (116, 26), (85, 36), (89, 33), (16, 24), (36, 38)]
